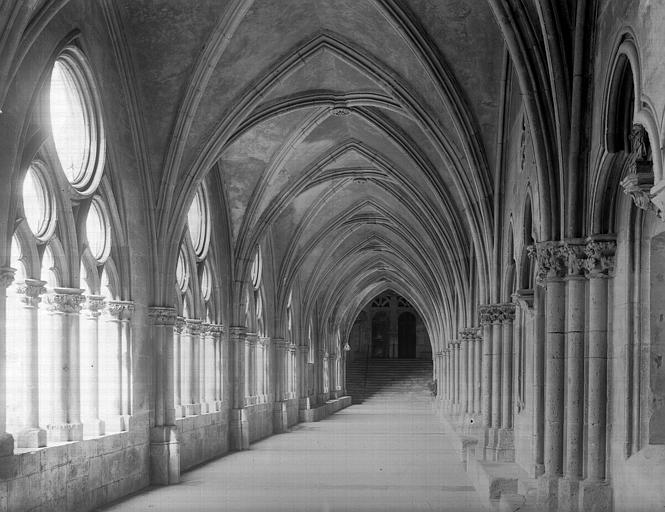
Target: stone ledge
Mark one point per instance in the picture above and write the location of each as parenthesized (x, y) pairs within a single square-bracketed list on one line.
[(492, 479), (325, 410)]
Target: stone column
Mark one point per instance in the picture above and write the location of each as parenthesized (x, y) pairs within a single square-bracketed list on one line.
[(177, 367), (191, 335), (463, 363), (455, 367), (6, 439), (595, 492), (202, 368), (239, 424), (552, 268), (31, 435), (279, 370), (486, 316), (93, 426), (222, 358), (164, 444), (113, 372), (250, 366), (127, 373), (575, 284), (448, 370), (209, 359), (470, 363), (508, 319), (477, 369), (64, 305)]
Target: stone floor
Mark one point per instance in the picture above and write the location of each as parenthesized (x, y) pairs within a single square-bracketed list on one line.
[(388, 454)]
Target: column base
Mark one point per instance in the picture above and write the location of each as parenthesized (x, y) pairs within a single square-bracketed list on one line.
[(6, 444), (179, 411), (94, 428), (280, 420), (595, 496), (568, 494), (192, 409), (490, 444), (164, 455), (239, 429), (33, 437), (304, 403), (211, 407), (548, 493), (64, 432)]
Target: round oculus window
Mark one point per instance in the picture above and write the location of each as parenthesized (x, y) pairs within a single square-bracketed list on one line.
[(38, 205), (199, 224), (76, 121), (97, 231)]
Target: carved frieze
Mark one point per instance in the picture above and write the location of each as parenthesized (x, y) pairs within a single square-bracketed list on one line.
[(576, 256), (467, 334), (601, 256), (238, 333), (497, 313), (162, 315), (192, 327), (65, 300), (179, 324)]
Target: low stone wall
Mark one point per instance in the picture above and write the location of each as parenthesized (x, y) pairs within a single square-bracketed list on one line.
[(260, 420), (325, 410), (202, 437), (292, 411), (77, 476)]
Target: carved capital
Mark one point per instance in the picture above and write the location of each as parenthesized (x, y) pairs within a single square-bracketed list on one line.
[(30, 291), (638, 186), (280, 343), (601, 255), (192, 327), (214, 329), (238, 333), (497, 313), (179, 324), (94, 305), (121, 309), (162, 315), (575, 250), (486, 314), (467, 334), (506, 312), (65, 300), (6, 276), (264, 340), (552, 261)]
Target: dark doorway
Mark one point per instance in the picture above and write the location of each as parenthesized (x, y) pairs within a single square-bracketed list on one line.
[(380, 326), (406, 336)]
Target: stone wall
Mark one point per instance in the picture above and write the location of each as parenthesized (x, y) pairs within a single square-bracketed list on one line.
[(202, 438), (77, 476), (260, 421)]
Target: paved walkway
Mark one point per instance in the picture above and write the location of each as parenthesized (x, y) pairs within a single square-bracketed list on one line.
[(378, 456)]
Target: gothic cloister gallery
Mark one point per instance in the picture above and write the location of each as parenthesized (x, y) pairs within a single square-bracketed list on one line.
[(332, 255)]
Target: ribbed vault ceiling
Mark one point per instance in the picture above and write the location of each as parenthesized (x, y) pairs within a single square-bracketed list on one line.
[(358, 135)]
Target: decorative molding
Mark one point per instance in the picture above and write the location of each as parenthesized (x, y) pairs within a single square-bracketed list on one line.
[(65, 300), (340, 111), (123, 309), (467, 334), (238, 333), (162, 315), (30, 291), (552, 260), (179, 324), (601, 257), (6, 276)]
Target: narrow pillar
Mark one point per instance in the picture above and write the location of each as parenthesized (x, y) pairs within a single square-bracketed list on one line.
[(6, 439), (209, 342), (455, 367), (112, 372), (470, 363), (177, 367), (93, 426), (552, 268), (477, 369), (449, 372), (202, 368), (191, 335), (486, 315), (575, 284), (164, 443), (463, 364), (507, 366), (64, 306), (126, 358), (496, 368), (595, 492), (239, 424), (31, 435)]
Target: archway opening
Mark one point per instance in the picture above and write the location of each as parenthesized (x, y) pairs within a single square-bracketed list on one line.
[(406, 335)]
